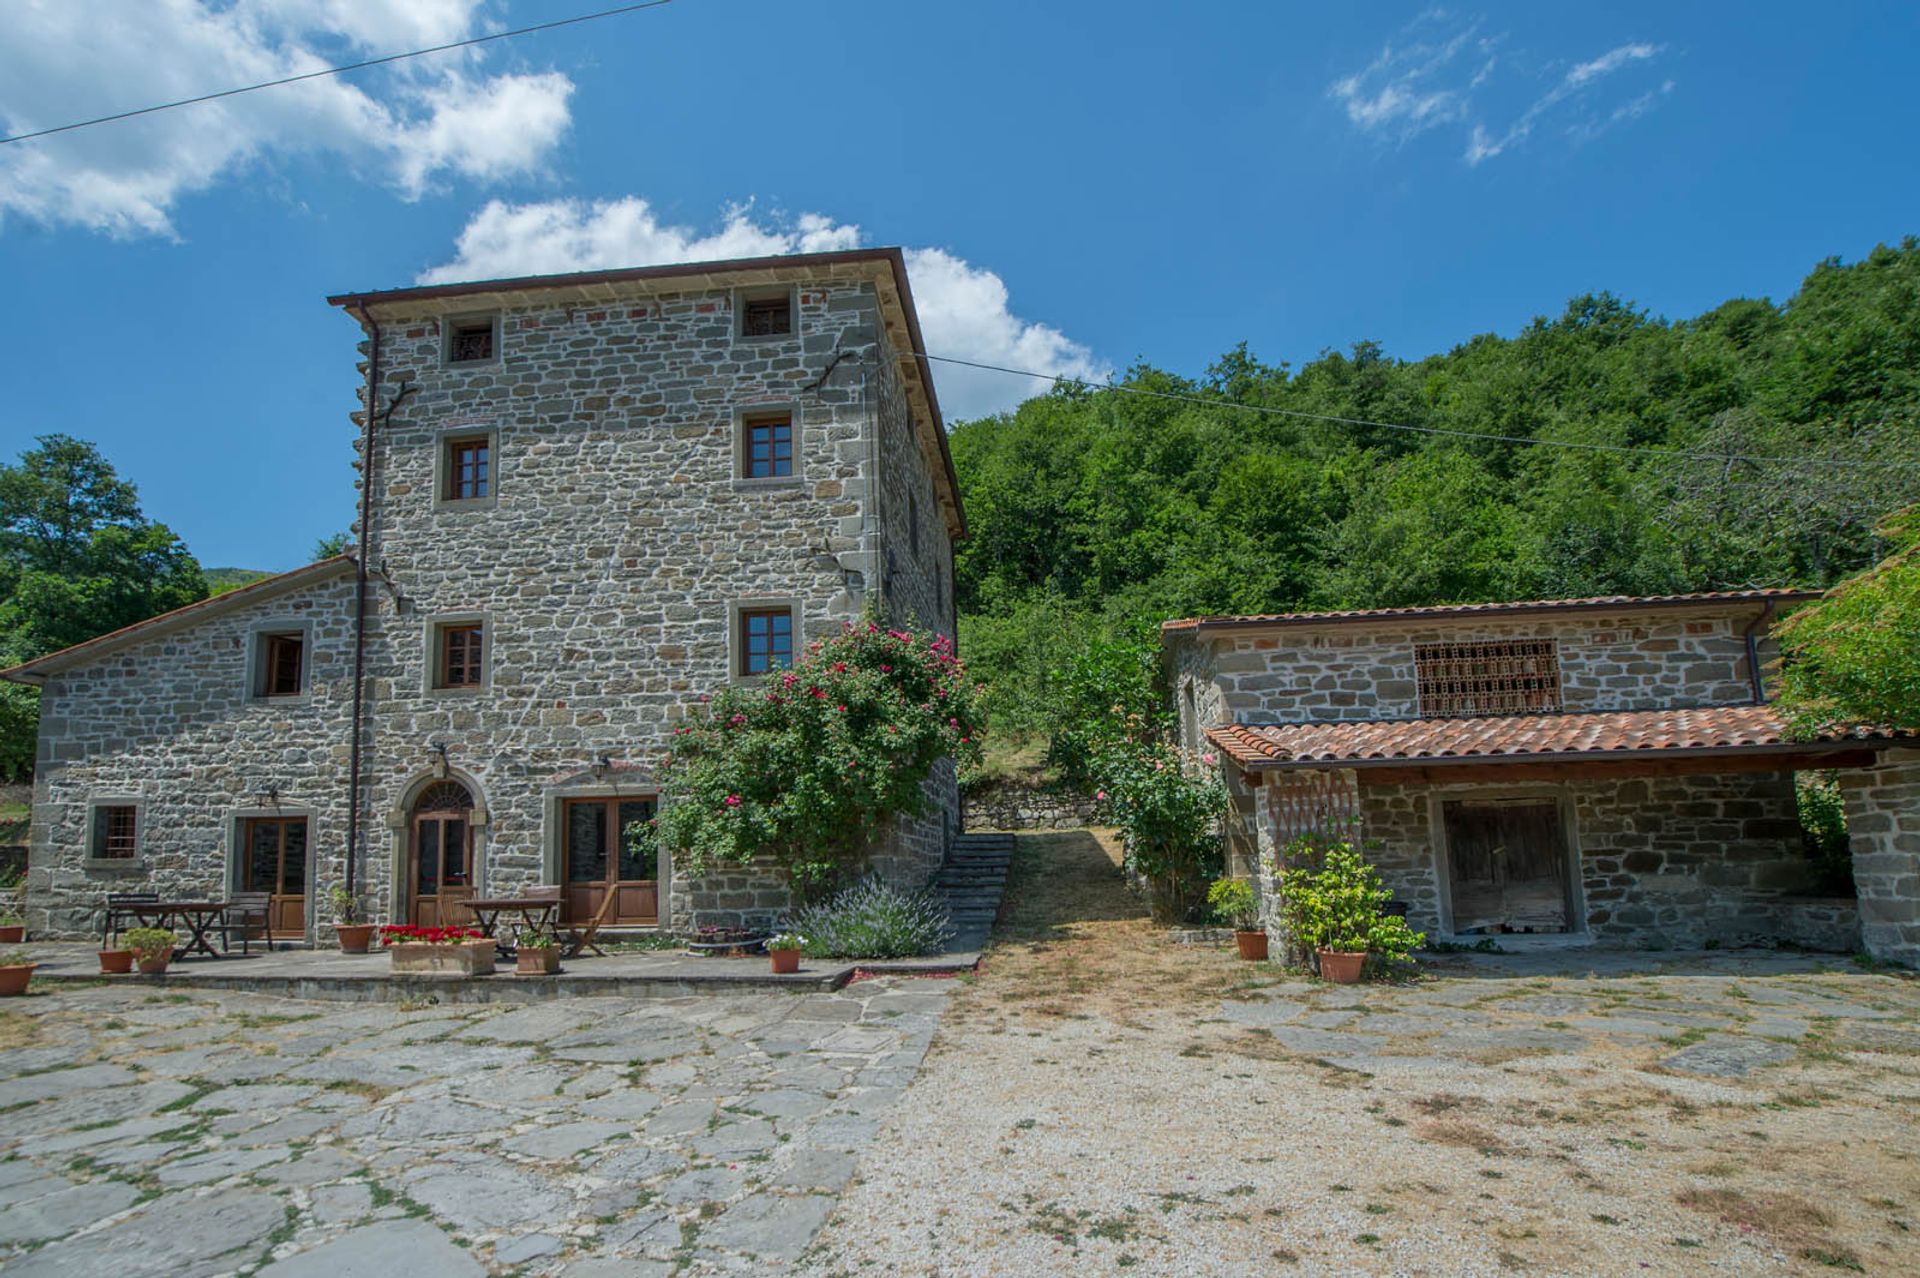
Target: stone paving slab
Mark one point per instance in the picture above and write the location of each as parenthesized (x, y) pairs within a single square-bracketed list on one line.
[(156, 1131)]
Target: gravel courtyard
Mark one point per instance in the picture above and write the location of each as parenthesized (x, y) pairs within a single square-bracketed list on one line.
[(1100, 1101), (150, 1133)]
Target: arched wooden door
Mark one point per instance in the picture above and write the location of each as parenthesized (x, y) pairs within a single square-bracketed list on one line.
[(440, 869)]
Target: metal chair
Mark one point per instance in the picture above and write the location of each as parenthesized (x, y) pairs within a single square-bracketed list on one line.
[(118, 912), (245, 915)]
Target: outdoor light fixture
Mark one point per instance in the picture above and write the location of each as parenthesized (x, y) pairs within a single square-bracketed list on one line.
[(601, 763), (439, 749)]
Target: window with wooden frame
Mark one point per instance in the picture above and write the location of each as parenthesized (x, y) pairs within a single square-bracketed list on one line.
[(116, 832), (281, 666), (468, 468), (472, 341), (766, 314), (462, 655), (1488, 677), (765, 642), (766, 445)]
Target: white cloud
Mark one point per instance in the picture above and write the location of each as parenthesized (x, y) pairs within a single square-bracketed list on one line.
[(965, 310), (1437, 69), (409, 124)]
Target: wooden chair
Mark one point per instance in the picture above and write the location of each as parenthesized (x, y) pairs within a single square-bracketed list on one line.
[(118, 912), (580, 938), (245, 915)]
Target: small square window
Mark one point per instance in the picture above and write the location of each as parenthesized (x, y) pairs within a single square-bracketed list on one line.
[(462, 656), (766, 640), (768, 438), (468, 469), (281, 668), (116, 831), (471, 341), (766, 314)]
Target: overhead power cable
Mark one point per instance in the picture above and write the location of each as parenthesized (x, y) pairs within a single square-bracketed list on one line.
[(1203, 401), (351, 66)]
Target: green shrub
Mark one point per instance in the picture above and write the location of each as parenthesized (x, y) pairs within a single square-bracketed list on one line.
[(1169, 821), (1337, 905), (1234, 904), (872, 919), (1823, 830), (149, 942)]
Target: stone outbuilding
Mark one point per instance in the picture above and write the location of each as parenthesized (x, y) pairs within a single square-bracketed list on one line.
[(1601, 771), (588, 500)]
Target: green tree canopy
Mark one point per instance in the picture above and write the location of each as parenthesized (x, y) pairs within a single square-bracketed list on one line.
[(1854, 657)]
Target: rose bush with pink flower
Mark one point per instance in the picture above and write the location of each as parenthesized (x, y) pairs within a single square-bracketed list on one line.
[(807, 768)]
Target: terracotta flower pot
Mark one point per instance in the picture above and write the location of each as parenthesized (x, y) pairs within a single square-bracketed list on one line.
[(1342, 967), (14, 978), (785, 961), (153, 964), (13, 934), (1252, 945), (544, 962), (116, 962), (355, 938)]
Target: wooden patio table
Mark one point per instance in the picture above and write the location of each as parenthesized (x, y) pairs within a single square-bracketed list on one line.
[(534, 913), (198, 917)]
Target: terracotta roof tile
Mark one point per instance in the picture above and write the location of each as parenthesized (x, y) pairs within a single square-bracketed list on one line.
[(1598, 603), (1741, 728)]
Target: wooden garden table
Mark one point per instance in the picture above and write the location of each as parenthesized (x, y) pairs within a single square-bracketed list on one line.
[(197, 917), (534, 913)]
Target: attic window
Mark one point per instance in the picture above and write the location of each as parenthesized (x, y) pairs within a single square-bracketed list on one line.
[(1495, 676), (471, 341), (766, 314)]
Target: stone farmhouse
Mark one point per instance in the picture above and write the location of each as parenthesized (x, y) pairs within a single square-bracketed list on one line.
[(586, 500), (1600, 771)]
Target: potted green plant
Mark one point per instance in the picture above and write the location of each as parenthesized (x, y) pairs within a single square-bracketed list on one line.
[(13, 929), (537, 952), (1335, 910), (1234, 904), (16, 970), (355, 937), (784, 949), (116, 961), (152, 947)]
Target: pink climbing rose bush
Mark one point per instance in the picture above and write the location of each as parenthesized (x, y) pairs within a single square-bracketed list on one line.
[(807, 765)]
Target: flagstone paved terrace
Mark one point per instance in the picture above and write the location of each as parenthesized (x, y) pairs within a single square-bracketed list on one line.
[(158, 1132)]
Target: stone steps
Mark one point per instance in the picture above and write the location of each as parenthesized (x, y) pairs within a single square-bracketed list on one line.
[(970, 885)]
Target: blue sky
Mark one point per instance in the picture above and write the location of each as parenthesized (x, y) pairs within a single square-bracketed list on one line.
[(1080, 186)]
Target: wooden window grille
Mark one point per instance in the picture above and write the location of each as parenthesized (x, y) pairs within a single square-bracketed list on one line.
[(471, 343), (115, 832), (766, 316), (283, 661), (769, 446), (766, 640), (469, 469), (461, 653), (1496, 676)]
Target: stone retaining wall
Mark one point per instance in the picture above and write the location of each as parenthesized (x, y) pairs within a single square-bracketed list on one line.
[(1010, 805), (1883, 817)]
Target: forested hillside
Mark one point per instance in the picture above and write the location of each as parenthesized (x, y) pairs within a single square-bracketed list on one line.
[(1756, 444)]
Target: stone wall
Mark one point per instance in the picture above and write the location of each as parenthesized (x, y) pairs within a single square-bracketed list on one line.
[(1013, 805), (1633, 661), (1883, 818), (605, 565), (169, 725), (1678, 861)]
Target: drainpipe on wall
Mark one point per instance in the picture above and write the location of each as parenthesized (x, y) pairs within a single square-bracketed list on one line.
[(1751, 636), (369, 408)]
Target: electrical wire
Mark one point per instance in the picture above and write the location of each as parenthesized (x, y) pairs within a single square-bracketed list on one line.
[(1628, 449), (351, 66)]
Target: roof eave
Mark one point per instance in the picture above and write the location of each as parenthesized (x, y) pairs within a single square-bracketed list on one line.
[(1575, 756), (1383, 616)]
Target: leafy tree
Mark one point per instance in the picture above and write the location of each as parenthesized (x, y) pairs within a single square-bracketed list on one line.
[(332, 545), (77, 559), (1854, 657)]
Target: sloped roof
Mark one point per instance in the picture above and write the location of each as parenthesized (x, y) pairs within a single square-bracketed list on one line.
[(1597, 603), (1534, 738), (36, 671)]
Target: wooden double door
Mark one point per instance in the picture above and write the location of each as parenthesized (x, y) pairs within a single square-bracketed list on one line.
[(609, 850), (440, 862), (1509, 864), (275, 862)]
